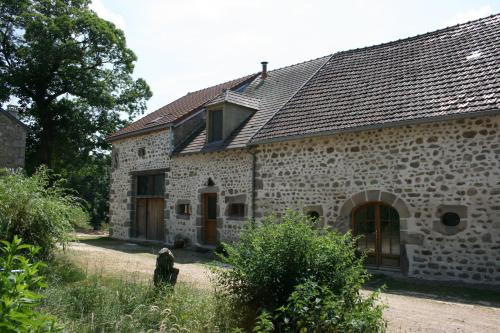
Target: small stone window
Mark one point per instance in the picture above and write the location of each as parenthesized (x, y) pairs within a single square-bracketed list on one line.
[(450, 219), (141, 152), (237, 210), (184, 209), (313, 215)]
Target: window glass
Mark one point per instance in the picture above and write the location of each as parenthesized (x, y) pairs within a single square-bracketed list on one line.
[(237, 210), (184, 209), (142, 185), (153, 185), (450, 219), (212, 207), (215, 125)]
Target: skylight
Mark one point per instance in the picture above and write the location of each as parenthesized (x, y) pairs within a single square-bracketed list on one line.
[(473, 55)]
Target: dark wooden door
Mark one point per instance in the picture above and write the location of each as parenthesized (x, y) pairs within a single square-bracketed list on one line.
[(210, 218), (150, 219), (378, 226)]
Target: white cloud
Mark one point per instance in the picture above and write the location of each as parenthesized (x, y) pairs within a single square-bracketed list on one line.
[(103, 12), (470, 15)]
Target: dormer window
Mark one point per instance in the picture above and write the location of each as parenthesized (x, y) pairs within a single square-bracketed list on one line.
[(215, 126)]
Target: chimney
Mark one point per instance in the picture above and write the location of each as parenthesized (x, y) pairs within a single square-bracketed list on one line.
[(263, 74), (13, 110)]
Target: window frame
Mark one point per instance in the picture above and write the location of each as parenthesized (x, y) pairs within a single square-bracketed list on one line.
[(241, 214), (155, 185)]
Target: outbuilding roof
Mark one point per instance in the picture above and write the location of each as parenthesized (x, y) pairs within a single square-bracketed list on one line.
[(178, 109), (438, 75)]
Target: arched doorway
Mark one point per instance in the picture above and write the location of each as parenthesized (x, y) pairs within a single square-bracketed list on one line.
[(378, 225)]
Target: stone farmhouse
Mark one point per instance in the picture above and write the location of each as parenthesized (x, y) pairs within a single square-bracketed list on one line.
[(398, 142), (12, 139)]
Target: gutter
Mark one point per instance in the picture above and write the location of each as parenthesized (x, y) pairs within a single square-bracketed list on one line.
[(417, 121), (254, 163)]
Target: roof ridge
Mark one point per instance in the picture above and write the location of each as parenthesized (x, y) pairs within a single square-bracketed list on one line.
[(413, 37)]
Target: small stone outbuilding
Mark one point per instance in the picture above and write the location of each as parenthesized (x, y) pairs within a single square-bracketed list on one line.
[(398, 142), (12, 139)]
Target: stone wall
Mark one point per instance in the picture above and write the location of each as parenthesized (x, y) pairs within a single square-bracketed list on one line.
[(12, 143), (228, 173), (125, 163), (421, 170)]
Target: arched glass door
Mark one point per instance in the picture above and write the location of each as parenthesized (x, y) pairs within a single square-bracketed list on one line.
[(378, 226)]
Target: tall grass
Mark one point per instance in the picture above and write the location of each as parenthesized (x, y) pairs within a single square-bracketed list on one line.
[(93, 303)]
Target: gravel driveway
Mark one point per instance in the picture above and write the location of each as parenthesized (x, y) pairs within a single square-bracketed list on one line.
[(405, 313)]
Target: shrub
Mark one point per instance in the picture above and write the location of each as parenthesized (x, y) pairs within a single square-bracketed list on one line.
[(40, 213), (19, 280), (272, 260), (315, 308)]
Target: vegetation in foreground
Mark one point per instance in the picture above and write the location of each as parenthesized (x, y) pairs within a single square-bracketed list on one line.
[(40, 213), (298, 278)]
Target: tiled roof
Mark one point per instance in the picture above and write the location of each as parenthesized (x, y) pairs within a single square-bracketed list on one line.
[(178, 109), (449, 72), (14, 119), (272, 92), (235, 98)]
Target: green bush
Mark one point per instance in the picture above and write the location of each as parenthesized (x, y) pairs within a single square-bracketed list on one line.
[(41, 213), (274, 258), (314, 308), (19, 281)]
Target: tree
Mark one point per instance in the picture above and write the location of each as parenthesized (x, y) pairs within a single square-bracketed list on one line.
[(71, 73)]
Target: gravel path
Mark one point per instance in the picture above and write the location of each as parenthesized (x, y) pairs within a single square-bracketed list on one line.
[(405, 313)]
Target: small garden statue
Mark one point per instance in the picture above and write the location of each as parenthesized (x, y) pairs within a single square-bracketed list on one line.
[(165, 272)]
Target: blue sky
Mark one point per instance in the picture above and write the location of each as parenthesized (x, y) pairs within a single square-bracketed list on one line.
[(186, 45)]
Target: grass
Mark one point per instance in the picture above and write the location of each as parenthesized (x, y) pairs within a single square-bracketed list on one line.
[(92, 303)]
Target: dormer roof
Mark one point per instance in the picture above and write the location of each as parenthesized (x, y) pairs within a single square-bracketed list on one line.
[(235, 98)]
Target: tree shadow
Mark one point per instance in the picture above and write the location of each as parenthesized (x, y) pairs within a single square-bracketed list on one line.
[(182, 256), (436, 290)]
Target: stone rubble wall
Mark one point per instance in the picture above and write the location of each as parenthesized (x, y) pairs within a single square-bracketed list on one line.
[(231, 173), (422, 170), (12, 143), (126, 161)]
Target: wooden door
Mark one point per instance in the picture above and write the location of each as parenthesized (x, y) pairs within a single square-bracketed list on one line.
[(150, 219), (210, 218), (156, 225), (378, 226), (142, 217)]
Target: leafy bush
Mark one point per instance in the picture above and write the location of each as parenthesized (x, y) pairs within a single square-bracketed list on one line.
[(40, 213), (272, 263), (19, 280), (312, 307)]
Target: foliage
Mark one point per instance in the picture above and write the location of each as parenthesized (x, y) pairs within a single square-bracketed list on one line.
[(40, 213), (273, 261), (105, 304), (272, 258), (71, 74), (315, 308), (19, 280)]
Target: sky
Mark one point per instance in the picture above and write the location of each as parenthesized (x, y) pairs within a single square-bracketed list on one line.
[(187, 45)]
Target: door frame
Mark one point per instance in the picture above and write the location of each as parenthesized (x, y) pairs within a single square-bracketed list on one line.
[(206, 220), (378, 237)]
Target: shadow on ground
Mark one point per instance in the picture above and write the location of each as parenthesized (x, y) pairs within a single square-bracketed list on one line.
[(436, 290), (182, 256)]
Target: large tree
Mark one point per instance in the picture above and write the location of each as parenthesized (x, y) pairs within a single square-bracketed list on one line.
[(71, 72)]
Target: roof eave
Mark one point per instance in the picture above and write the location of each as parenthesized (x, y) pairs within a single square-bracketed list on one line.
[(488, 112), (138, 132)]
